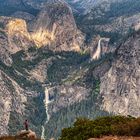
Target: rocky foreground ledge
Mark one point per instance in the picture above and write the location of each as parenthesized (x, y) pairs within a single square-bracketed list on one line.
[(28, 135)]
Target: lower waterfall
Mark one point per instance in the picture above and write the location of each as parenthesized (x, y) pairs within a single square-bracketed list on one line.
[(46, 103)]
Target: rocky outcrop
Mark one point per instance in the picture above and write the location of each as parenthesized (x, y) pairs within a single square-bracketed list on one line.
[(26, 134), (18, 36), (120, 87), (14, 37), (55, 27), (23, 134)]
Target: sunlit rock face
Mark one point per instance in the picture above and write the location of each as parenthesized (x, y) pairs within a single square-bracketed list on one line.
[(16, 32), (14, 37), (18, 36), (55, 27), (120, 87)]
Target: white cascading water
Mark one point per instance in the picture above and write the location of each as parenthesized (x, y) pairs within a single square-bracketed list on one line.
[(97, 54), (46, 103)]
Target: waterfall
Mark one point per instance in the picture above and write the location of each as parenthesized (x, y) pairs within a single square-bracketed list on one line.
[(46, 103), (97, 54)]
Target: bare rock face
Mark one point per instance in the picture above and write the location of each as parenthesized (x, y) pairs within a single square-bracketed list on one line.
[(14, 37), (12, 99), (55, 27), (18, 36), (14, 104), (120, 87), (26, 134)]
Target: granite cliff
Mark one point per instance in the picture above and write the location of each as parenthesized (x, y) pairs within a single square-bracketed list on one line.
[(55, 27), (14, 37), (120, 86)]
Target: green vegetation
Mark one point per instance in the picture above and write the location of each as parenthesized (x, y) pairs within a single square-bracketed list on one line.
[(20, 66), (36, 107), (15, 123), (80, 73), (84, 129), (64, 63), (20, 63), (22, 80), (65, 117)]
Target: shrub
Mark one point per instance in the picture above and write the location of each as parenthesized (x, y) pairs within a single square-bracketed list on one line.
[(115, 125)]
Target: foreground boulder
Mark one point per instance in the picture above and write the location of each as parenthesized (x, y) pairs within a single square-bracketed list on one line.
[(26, 134), (22, 135)]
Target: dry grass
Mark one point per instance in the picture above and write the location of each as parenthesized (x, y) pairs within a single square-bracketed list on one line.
[(116, 138)]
